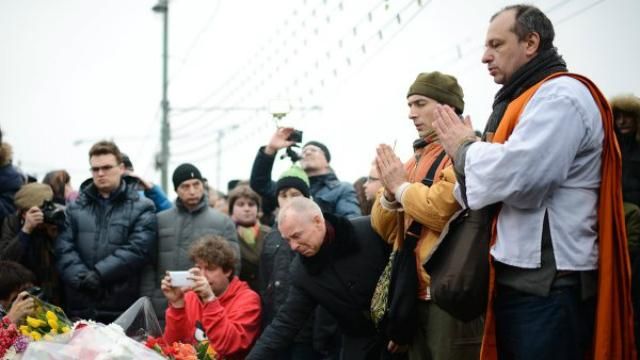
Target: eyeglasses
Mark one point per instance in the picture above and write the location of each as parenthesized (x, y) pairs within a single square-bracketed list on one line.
[(104, 168), (372, 179)]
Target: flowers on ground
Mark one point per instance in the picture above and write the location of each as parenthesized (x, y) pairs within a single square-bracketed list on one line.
[(46, 321), (180, 351), (11, 341)]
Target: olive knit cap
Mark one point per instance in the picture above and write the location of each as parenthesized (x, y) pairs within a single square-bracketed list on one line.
[(293, 177), (33, 194), (440, 87)]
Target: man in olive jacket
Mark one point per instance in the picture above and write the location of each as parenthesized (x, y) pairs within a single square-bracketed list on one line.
[(190, 219), (109, 236)]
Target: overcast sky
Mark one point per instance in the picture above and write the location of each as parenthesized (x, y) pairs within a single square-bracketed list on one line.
[(76, 71)]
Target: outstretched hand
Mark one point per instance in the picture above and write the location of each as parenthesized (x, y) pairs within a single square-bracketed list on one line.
[(279, 140)]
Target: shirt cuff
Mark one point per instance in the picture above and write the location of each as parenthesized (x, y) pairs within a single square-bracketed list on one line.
[(400, 192), (461, 156), (389, 205)]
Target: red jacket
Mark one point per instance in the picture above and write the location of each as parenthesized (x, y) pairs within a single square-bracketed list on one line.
[(231, 322)]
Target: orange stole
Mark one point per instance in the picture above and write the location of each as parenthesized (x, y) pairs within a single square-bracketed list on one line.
[(613, 334)]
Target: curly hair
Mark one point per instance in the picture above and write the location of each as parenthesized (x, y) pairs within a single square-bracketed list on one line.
[(215, 251)]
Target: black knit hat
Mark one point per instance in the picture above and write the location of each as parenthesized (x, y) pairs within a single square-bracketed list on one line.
[(440, 87), (185, 172), (294, 177), (323, 147)]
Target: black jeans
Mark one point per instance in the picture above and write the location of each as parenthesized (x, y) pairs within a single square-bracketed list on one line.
[(558, 326)]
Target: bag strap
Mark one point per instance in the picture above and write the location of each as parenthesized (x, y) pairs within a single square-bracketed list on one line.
[(416, 227)]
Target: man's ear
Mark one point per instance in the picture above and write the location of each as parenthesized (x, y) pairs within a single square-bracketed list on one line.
[(532, 42)]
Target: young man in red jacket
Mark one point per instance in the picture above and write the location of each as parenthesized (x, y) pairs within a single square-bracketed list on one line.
[(216, 305)]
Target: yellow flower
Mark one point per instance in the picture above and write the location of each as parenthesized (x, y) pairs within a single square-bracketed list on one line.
[(53, 323), (51, 315), (35, 323), (25, 329), (35, 335), (65, 329), (53, 332), (48, 337)]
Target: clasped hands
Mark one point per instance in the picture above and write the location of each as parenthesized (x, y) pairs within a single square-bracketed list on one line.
[(390, 170)]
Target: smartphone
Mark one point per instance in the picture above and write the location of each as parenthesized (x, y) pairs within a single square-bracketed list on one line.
[(179, 278), (295, 136)]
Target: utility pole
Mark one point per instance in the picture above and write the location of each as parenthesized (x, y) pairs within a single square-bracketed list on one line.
[(163, 7)]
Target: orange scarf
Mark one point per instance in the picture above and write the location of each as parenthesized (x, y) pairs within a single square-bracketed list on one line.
[(613, 334)]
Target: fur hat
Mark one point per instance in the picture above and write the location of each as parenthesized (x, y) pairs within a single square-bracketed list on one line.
[(185, 172), (294, 177), (33, 194), (440, 87), (627, 103), (323, 147)]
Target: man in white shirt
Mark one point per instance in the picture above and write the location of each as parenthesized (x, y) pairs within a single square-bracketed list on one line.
[(543, 165)]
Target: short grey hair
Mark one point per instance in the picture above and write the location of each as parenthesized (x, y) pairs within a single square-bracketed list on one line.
[(530, 19), (300, 205)]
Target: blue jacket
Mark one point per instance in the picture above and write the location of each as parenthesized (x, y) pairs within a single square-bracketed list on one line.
[(158, 197), (10, 182), (115, 238), (332, 195)]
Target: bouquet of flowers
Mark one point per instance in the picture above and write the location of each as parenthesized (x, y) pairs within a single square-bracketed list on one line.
[(180, 351), (92, 341), (46, 321), (12, 342)]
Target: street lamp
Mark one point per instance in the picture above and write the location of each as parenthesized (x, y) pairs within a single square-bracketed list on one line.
[(163, 7)]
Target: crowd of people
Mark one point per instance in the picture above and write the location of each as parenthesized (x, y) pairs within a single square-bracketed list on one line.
[(306, 266)]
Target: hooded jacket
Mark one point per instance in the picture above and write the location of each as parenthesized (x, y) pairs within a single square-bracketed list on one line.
[(629, 148)]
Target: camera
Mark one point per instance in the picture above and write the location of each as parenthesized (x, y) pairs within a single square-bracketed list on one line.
[(35, 292), (53, 213), (295, 136)]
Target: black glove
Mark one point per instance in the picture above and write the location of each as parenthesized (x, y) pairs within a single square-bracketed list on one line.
[(89, 281)]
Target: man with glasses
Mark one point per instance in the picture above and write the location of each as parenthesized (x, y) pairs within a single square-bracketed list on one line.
[(332, 195), (109, 236)]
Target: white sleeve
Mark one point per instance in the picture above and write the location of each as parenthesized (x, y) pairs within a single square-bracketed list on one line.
[(539, 153)]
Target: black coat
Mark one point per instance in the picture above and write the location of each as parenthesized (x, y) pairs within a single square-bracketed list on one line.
[(35, 252), (341, 278), (114, 238), (630, 150)]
